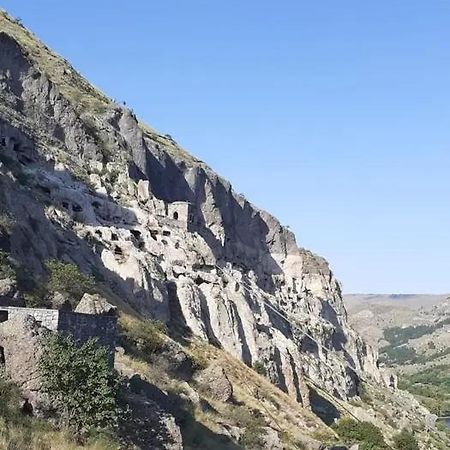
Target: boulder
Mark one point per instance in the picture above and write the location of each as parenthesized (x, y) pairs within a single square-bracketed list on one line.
[(271, 440), (21, 345), (95, 304), (148, 427), (61, 302), (214, 381)]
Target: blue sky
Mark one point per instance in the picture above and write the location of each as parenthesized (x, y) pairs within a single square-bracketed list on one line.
[(334, 116)]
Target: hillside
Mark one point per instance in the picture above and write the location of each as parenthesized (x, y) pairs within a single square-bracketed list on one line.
[(371, 314), (413, 333), (232, 335)]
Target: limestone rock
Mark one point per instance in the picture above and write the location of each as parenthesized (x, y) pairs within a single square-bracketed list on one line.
[(149, 427), (21, 345), (95, 304), (271, 440), (61, 301), (214, 381), (7, 287)]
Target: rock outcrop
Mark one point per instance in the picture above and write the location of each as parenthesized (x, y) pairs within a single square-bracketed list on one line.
[(21, 346), (95, 304), (86, 182), (215, 382)]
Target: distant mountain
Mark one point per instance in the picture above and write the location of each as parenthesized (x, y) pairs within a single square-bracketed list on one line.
[(413, 333), (371, 314)]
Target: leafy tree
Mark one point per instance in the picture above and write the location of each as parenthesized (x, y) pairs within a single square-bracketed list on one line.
[(80, 383), (67, 278), (6, 269), (405, 440)]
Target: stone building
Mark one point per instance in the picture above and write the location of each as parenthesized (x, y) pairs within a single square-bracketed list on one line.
[(21, 340)]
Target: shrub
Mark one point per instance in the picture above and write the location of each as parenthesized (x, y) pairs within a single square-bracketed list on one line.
[(405, 440), (6, 223), (260, 368), (6, 269), (364, 433), (199, 362), (364, 394), (252, 438), (253, 422), (80, 383), (10, 399), (142, 338), (67, 278)]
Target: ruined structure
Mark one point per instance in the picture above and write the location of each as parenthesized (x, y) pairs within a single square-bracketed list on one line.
[(80, 326), (21, 341)]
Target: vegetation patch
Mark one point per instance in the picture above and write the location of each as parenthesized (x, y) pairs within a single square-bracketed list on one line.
[(405, 440), (398, 352), (432, 387), (254, 423), (141, 338), (67, 278), (259, 367), (80, 383), (364, 433), (22, 432), (6, 268)]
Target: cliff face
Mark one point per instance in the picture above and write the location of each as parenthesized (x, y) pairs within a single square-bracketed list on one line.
[(86, 182)]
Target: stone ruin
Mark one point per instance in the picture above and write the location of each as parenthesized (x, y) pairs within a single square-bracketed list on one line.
[(22, 330)]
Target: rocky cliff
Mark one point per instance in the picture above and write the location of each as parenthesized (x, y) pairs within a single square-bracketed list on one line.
[(85, 181)]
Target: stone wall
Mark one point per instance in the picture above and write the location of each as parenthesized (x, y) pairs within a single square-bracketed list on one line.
[(81, 326), (85, 326), (48, 318)]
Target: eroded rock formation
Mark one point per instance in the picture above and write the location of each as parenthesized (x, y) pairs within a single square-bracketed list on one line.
[(86, 182)]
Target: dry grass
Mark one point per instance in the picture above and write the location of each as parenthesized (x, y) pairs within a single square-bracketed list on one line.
[(253, 394), (61, 73), (41, 437)]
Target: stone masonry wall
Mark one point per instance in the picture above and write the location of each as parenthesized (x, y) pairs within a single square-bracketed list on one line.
[(81, 326), (48, 318), (85, 326)]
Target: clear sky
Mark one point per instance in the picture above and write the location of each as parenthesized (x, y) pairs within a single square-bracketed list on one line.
[(333, 115)]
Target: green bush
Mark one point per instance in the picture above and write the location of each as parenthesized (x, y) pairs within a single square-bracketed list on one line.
[(142, 338), (259, 367), (6, 223), (431, 386), (6, 268), (364, 394), (10, 399), (364, 433), (80, 383), (67, 278), (405, 440)]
